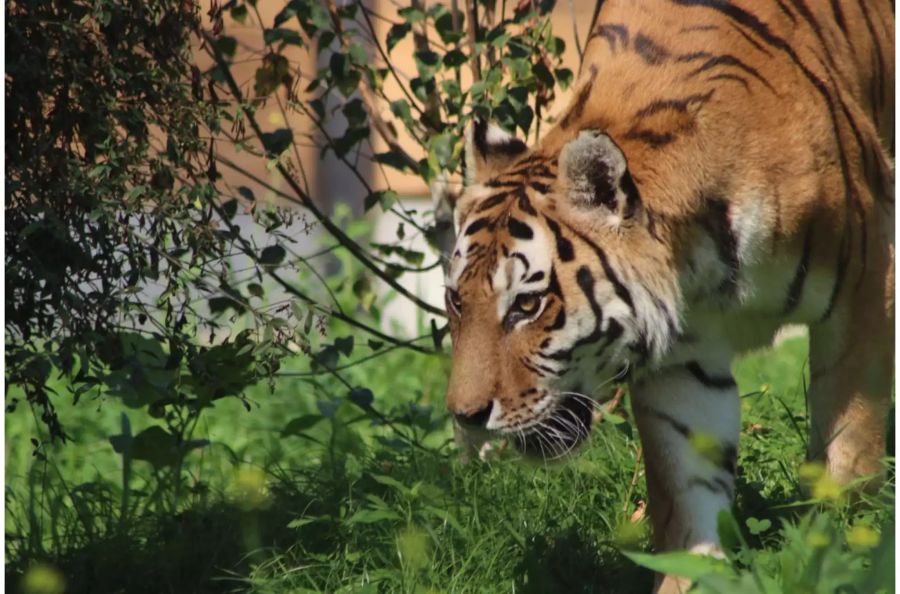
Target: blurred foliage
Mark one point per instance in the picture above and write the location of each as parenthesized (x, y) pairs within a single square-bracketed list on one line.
[(121, 228)]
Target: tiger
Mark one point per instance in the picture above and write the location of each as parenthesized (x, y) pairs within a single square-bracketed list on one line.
[(724, 168)]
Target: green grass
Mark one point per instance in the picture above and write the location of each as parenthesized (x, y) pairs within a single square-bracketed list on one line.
[(338, 501)]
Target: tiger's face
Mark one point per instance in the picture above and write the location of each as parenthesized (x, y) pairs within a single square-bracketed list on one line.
[(541, 313)]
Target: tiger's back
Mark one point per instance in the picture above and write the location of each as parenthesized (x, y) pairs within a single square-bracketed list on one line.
[(723, 169)]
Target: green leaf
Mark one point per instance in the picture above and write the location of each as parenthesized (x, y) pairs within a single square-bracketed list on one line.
[(230, 208), (247, 193), (393, 159), (274, 70), (272, 255), (426, 63), (239, 13), (344, 345), (156, 446), (679, 563), (227, 45), (455, 58), (757, 527), (362, 397), (255, 289), (411, 15), (373, 516), (278, 141), (358, 55), (396, 34), (301, 424), (288, 12), (391, 482), (613, 418), (386, 198), (445, 28), (285, 36), (565, 77), (543, 74)]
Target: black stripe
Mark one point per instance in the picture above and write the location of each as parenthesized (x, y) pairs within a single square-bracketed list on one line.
[(540, 187), (839, 17), (654, 139), (475, 248), (810, 18), (521, 257), (518, 229), (533, 368), (564, 248), (729, 458), (478, 225), (718, 225), (491, 202), (730, 60), (651, 52), (559, 321), (580, 100), (878, 82), (620, 289), (510, 147), (714, 486), (698, 28), (795, 289), (843, 261), (586, 283), (718, 382), (680, 105), (539, 275), (525, 204), (677, 425), (733, 77), (762, 30), (613, 332), (540, 170), (752, 41), (786, 11), (553, 288), (614, 34)]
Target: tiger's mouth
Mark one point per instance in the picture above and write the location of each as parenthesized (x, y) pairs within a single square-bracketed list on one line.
[(564, 429)]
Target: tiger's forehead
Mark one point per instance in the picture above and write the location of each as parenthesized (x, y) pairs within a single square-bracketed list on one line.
[(504, 227)]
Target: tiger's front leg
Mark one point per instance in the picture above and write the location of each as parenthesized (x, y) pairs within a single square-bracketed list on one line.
[(688, 417)]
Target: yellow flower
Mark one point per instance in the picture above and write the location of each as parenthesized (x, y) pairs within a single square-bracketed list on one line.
[(248, 488), (817, 539), (707, 447), (412, 545), (861, 536), (43, 579)]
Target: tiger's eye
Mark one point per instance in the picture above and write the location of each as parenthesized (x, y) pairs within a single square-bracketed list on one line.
[(528, 304)]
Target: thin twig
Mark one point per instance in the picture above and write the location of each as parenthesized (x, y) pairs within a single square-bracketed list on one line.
[(304, 198), (575, 33), (472, 36)]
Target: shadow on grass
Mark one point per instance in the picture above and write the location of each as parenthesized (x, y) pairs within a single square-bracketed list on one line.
[(572, 562), (201, 550)]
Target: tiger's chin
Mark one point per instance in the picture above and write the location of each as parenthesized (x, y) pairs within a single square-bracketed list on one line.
[(560, 434)]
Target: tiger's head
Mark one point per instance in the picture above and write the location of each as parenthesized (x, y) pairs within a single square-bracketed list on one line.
[(543, 292)]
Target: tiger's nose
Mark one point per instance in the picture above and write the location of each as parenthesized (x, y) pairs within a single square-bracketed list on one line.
[(475, 418)]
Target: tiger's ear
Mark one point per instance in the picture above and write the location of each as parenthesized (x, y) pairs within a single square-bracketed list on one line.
[(597, 177), (488, 150)]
